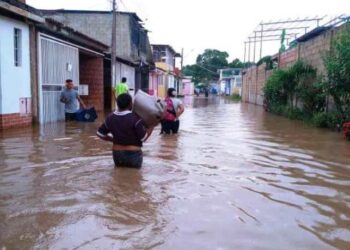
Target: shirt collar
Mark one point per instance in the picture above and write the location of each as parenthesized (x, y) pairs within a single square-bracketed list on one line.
[(122, 112)]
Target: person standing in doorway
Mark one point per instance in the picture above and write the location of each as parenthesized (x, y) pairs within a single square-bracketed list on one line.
[(121, 88), (174, 109), (70, 97)]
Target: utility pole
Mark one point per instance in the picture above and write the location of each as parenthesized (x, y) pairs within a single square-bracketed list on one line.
[(113, 47), (182, 58)]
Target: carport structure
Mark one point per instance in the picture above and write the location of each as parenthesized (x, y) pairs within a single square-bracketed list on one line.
[(272, 31)]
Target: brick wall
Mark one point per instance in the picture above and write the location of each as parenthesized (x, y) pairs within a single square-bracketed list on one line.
[(249, 85), (254, 81), (14, 120), (288, 58), (91, 73), (310, 52)]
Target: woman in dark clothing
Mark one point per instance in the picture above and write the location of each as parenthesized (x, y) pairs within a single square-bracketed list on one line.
[(174, 108)]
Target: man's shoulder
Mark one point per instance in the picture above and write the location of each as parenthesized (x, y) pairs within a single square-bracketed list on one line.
[(135, 118), (71, 91)]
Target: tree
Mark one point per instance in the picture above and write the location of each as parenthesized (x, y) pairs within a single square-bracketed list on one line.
[(207, 64), (337, 64), (236, 63), (196, 72), (213, 59)]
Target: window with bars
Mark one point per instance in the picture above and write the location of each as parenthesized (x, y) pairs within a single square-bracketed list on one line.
[(17, 38)]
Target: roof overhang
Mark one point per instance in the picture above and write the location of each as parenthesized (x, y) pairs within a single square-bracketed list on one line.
[(57, 29), (168, 47), (20, 12)]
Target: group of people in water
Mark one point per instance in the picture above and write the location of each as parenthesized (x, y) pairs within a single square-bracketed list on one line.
[(124, 128)]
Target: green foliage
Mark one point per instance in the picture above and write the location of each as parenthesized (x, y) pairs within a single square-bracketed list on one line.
[(236, 63), (274, 91), (337, 64), (291, 113), (267, 60), (206, 68), (299, 85), (213, 59), (293, 44), (287, 86), (248, 64), (235, 97), (294, 113), (207, 65), (313, 97), (326, 120)]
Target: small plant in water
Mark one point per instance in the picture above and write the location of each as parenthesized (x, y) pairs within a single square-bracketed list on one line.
[(235, 97)]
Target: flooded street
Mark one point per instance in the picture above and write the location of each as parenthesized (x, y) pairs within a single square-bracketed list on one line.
[(234, 178)]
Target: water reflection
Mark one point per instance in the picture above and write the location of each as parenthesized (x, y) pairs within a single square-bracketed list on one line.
[(232, 170)]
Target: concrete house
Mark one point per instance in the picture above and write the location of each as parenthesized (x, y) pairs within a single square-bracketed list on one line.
[(134, 56), (165, 75), (37, 55), (231, 81), (63, 53), (16, 24)]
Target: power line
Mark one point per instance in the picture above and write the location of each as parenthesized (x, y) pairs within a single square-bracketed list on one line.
[(126, 8)]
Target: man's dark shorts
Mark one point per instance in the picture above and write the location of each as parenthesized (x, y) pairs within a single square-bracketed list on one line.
[(70, 117), (124, 158)]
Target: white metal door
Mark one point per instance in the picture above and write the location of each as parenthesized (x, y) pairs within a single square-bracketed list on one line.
[(57, 62)]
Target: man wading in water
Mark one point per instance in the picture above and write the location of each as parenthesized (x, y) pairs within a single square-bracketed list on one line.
[(128, 133), (70, 97)]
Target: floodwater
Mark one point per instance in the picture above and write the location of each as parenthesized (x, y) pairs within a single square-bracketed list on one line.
[(234, 178)]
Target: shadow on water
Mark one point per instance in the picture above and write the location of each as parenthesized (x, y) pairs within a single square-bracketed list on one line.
[(232, 170)]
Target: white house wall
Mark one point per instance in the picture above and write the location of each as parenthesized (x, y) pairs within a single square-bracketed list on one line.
[(171, 81), (14, 81)]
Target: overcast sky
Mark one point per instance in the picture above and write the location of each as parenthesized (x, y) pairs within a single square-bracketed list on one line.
[(199, 24)]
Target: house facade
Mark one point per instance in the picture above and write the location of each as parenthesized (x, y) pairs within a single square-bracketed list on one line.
[(63, 53), (165, 75), (37, 55), (187, 86), (133, 52), (230, 81), (16, 22)]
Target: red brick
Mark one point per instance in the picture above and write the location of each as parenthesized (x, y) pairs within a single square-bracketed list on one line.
[(91, 73)]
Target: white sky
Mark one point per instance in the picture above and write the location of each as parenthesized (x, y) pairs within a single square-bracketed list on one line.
[(199, 24)]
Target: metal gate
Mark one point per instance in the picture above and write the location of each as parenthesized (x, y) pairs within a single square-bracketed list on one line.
[(57, 62)]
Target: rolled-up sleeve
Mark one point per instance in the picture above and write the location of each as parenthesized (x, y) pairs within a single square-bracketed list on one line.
[(140, 130)]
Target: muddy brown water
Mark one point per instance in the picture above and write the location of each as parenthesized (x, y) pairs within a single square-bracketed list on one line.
[(234, 178)]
